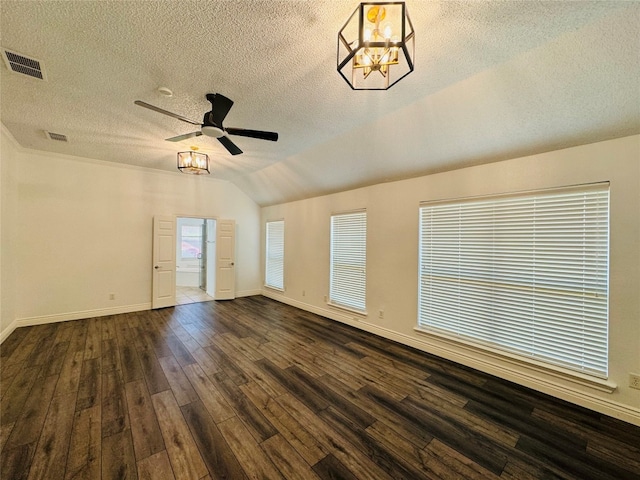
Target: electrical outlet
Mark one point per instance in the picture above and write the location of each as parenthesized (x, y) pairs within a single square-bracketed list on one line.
[(112, 296), (634, 381), (303, 293), (381, 314)]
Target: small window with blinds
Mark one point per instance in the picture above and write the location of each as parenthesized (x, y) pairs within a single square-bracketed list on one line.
[(526, 274), (274, 266), (349, 261)]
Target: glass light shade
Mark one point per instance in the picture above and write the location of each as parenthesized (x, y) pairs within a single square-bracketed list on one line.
[(192, 162), (376, 46)]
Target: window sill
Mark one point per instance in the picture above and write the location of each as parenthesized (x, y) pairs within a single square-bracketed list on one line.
[(362, 313), (276, 289), (600, 384)]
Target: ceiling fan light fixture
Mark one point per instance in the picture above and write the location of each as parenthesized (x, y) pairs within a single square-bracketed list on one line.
[(211, 131), (376, 47), (193, 162)]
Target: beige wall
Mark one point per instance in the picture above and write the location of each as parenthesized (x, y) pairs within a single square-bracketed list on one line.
[(74, 230), (392, 258), (82, 229), (8, 204)]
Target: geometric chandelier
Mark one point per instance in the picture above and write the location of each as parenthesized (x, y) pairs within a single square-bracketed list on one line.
[(193, 162), (376, 46)]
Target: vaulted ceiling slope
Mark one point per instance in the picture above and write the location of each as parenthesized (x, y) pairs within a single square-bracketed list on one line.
[(493, 80)]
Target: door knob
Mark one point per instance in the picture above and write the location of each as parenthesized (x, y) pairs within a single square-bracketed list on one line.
[(157, 267)]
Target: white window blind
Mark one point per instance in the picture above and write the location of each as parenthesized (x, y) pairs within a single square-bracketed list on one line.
[(274, 267), (527, 274), (348, 260)]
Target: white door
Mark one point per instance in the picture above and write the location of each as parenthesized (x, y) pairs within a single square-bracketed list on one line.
[(225, 260), (164, 262)]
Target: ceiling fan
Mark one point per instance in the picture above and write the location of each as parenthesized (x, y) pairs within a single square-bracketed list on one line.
[(211, 125)]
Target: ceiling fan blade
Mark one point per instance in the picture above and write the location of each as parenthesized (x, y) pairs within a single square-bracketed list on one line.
[(220, 106), (140, 103), (273, 136), (229, 145), (183, 137)]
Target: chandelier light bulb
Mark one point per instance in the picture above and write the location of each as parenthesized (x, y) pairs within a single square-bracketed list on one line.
[(387, 31)]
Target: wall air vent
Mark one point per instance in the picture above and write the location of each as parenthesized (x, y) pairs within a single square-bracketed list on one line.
[(58, 137), (20, 64)]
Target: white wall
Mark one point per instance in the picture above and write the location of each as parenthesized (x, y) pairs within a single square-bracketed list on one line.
[(8, 203), (392, 259), (82, 229)]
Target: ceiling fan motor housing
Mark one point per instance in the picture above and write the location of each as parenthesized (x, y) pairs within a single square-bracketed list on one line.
[(209, 127)]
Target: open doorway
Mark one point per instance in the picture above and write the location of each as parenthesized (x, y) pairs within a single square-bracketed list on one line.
[(195, 259)]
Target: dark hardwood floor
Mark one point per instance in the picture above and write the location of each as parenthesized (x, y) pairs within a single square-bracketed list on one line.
[(252, 388)]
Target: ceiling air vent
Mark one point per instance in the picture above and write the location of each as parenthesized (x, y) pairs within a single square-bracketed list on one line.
[(58, 137), (20, 64)]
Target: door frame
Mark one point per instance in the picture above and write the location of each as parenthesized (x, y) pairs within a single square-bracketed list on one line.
[(175, 223), (198, 217)]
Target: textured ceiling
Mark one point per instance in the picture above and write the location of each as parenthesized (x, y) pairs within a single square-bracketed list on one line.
[(493, 80)]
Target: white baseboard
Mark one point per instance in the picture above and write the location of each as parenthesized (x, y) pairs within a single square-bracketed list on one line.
[(248, 293), (521, 376), (529, 377), (4, 334), (63, 317), (333, 314), (101, 312)]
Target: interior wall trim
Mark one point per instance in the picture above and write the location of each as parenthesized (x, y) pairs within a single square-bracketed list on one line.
[(473, 351), (80, 315), (334, 314), (4, 334), (249, 293), (521, 376), (63, 317)]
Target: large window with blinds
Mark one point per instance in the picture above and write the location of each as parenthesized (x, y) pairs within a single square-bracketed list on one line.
[(348, 274), (274, 265), (526, 274)]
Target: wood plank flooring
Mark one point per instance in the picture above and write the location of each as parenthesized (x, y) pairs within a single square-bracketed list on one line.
[(252, 388)]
